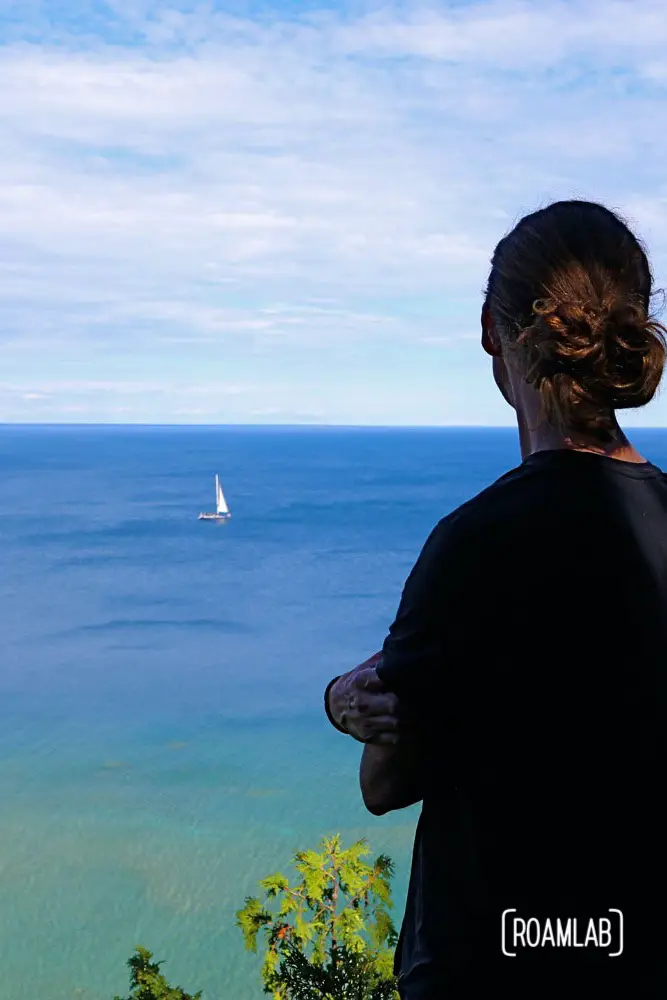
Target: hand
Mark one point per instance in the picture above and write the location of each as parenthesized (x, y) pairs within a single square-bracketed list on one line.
[(362, 706)]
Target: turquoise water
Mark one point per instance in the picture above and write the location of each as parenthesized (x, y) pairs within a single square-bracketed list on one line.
[(161, 735)]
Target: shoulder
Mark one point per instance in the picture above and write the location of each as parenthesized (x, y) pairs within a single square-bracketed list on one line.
[(507, 502)]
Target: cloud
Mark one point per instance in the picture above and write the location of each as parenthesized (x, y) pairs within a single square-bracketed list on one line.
[(176, 179), (32, 401), (54, 385), (520, 37)]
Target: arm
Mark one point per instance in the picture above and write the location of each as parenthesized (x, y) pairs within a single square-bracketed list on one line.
[(422, 660), (390, 776), (365, 702)]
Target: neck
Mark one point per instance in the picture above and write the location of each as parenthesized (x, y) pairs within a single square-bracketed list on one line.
[(536, 435)]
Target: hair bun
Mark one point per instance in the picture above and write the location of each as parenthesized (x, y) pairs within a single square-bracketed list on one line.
[(611, 353)]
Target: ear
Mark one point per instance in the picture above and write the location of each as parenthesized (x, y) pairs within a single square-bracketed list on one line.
[(490, 338)]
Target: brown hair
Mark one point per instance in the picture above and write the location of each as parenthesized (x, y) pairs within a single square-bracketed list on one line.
[(570, 292)]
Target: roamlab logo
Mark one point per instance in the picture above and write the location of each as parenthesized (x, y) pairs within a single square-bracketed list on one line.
[(524, 933)]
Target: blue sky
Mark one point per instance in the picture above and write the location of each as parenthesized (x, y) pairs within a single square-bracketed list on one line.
[(284, 212)]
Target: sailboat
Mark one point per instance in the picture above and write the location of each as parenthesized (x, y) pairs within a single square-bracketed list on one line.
[(222, 512)]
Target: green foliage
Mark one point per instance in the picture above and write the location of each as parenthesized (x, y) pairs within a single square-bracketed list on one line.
[(148, 983), (348, 975), (329, 936)]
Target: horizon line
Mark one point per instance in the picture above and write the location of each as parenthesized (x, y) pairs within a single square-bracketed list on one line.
[(161, 423), (277, 426)]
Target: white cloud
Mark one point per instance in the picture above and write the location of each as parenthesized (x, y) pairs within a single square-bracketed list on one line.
[(43, 400), (521, 37), (277, 185), (49, 388)]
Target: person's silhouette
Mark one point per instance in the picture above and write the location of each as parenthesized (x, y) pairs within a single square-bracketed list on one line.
[(530, 646)]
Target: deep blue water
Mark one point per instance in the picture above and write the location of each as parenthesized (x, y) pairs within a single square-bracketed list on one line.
[(162, 744)]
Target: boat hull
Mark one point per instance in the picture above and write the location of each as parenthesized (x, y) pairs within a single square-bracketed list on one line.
[(214, 517)]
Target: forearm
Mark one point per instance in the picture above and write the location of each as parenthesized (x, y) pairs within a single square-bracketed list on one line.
[(390, 776)]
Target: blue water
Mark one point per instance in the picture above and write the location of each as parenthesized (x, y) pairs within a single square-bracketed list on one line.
[(162, 744)]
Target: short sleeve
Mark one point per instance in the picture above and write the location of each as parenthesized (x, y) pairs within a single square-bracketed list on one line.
[(429, 639)]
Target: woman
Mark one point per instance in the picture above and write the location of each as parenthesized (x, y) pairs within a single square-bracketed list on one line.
[(529, 652)]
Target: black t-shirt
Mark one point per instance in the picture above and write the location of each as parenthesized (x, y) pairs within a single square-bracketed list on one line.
[(531, 641)]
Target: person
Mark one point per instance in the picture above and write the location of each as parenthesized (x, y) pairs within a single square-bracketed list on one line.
[(520, 695)]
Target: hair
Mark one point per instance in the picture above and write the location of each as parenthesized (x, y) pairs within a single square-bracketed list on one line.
[(570, 291)]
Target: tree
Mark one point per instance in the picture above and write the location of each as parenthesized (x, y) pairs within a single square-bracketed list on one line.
[(148, 983), (330, 935)]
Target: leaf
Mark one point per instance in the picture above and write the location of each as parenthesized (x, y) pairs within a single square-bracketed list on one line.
[(382, 928), (273, 884), (315, 883), (358, 850), (307, 860), (250, 919), (288, 905), (352, 880)]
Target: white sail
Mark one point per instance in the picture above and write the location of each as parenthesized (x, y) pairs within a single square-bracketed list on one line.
[(220, 502)]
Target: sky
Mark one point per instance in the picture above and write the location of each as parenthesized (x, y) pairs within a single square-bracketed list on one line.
[(284, 212)]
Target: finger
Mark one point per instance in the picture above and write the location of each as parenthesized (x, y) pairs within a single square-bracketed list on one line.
[(373, 705), (363, 729), (386, 727), (368, 680)]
